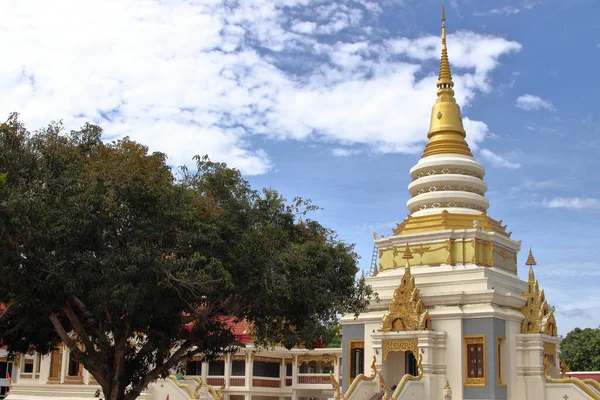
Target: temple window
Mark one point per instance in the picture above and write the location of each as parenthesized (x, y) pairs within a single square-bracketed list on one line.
[(266, 369), (238, 367), (193, 368), (357, 358), (216, 368), (475, 353), (27, 368)]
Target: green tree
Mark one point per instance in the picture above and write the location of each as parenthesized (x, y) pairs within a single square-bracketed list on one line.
[(135, 270), (580, 349)]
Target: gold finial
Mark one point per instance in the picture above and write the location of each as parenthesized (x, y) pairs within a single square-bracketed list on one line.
[(407, 256), (446, 133), (530, 259), (447, 386)]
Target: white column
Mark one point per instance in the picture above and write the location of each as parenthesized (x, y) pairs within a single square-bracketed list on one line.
[(509, 360), (454, 357), (64, 364), (45, 368), (248, 372), (295, 367), (204, 371), (228, 362)]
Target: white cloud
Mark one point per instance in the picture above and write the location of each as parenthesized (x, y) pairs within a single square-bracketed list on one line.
[(507, 10), (572, 203), (192, 78), (304, 27), (498, 161), (530, 102), (343, 152)]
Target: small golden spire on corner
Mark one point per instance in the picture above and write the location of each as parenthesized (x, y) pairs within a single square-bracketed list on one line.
[(447, 386), (530, 260), (407, 256)]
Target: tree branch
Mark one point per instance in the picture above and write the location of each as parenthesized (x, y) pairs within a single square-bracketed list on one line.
[(89, 347), (180, 354), (76, 352), (119, 361)]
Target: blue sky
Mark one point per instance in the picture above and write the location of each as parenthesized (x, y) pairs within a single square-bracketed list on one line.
[(331, 101)]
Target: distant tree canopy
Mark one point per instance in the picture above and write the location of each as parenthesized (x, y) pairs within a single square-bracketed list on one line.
[(580, 349), (135, 270)]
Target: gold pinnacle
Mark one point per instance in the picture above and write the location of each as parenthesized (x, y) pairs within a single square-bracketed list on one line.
[(530, 259), (446, 132)]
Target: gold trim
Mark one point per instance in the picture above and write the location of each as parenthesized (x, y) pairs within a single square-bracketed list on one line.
[(475, 339), (238, 357), (359, 378), (183, 386), (267, 359), (499, 341), (353, 344), (538, 316), (446, 220), (337, 394), (390, 346), (408, 377), (406, 312), (445, 188), (550, 349), (289, 361), (445, 171), (325, 358), (447, 204), (577, 382)]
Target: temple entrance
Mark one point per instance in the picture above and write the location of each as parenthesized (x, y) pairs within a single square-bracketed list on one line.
[(394, 367), (411, 364)]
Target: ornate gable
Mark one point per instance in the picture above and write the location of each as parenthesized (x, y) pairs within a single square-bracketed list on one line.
[(407, 312), (538, 316)]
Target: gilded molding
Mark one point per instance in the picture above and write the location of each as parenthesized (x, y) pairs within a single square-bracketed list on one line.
[(360, 378), (390, 346), (581, 384), (406, 312), (447, 204), (444, 188), (446, 171), (267, 359), (446, 220), (408, 377), (325, 358), (238, 357), (478, 340), (538, 316)]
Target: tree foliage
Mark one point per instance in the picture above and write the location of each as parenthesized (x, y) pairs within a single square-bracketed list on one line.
[(135, 270), (580, 349)]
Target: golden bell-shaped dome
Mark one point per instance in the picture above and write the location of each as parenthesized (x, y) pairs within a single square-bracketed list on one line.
[(446, 132)]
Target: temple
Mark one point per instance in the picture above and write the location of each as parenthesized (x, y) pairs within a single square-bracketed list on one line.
[(453, 320)]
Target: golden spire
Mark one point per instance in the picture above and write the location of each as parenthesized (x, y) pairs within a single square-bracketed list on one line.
[(530, 259), (407, 256), (531, 262), (446, 132)]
